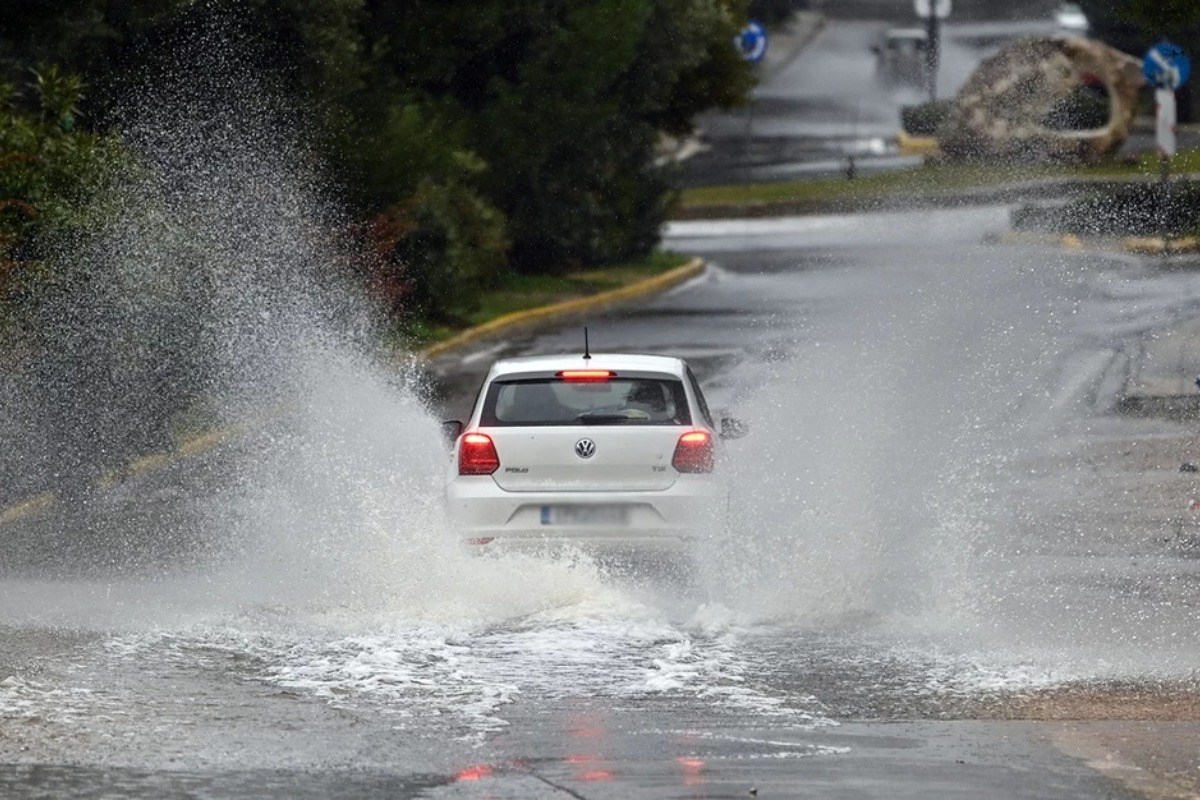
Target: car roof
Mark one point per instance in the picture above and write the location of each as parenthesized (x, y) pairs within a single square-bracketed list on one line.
[(617, 362)]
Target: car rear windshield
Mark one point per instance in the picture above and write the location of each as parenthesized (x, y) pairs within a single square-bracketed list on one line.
[(617, 401)]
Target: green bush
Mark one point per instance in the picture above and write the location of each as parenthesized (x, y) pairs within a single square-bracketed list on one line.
[(46, 161), (556, 105), (925, 119), (564, 102), (433, 254)]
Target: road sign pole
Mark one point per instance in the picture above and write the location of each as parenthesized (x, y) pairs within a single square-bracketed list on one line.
[(752, 44), (1166, 68), (1165, 129), (749, 127), (931, 55)]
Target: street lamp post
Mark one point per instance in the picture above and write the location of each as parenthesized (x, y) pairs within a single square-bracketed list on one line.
[(933, 12), (931, 55)]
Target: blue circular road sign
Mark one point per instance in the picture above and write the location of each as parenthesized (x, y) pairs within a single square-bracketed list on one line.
[(1166, 66), (752, 42)]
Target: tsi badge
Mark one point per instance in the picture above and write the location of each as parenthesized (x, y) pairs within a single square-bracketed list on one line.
[(585, 448)]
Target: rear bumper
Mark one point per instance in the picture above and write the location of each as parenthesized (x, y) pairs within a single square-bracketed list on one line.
[(667, 521)]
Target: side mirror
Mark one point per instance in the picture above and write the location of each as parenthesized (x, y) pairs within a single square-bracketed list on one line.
[(733, 428), (451, 430)]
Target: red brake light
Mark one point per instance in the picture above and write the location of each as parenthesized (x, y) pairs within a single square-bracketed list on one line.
[(586, 375), (477, 455), (694, 452)]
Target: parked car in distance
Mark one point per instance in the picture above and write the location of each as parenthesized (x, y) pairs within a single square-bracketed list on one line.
[(610, 453)]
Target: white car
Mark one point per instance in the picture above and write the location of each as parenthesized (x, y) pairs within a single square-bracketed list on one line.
[(610, 453), (1071, 20)]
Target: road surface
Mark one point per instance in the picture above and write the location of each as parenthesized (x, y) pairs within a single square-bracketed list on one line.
[(954, 570)]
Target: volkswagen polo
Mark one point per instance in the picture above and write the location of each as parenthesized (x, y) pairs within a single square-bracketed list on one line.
[(606, 452)]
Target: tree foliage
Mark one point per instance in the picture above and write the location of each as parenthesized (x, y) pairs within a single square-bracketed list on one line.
[(564, 101), (46, 158), (471, 137)]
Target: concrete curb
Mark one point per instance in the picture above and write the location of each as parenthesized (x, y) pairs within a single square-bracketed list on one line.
[(1157, 245), (568, 308), (1004, 192), (1068, 240), (1136, 245), (916, 145)]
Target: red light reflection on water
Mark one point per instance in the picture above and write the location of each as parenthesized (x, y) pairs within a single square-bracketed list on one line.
[(583, 770), (693, 769), (477, 772), (590, 732)]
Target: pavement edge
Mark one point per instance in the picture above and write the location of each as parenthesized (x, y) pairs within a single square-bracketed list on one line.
[(566, 309), (1136, 245)]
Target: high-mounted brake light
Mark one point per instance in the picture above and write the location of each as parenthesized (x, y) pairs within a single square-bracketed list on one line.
[(477, 455), (586, 375), (694, 452)]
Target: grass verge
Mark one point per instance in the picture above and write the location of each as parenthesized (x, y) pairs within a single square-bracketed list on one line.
[(930, 179), (524, 292)]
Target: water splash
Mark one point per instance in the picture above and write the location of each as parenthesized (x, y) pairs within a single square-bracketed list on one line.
[(213, 288)]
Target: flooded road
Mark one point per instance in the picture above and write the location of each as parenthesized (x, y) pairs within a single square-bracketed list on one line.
[(937, 529)]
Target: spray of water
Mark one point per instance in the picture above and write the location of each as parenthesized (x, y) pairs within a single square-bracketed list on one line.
[(914, 468), (213, 291)]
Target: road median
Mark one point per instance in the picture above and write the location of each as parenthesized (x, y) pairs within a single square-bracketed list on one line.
[(933, 183), (575, 307)]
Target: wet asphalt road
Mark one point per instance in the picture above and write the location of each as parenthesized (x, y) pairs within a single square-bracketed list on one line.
[(903, 571), (918, 550), (929, 389)]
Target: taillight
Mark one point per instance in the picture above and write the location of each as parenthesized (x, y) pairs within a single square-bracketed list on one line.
[(477, 455), (694, 453), (586, 375)]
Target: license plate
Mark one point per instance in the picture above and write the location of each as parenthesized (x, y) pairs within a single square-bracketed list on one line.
[(585, 515)]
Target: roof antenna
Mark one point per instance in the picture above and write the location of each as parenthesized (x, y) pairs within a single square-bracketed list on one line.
[(587, 353)]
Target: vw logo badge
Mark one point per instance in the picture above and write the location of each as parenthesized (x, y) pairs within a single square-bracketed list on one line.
[(585, 448)]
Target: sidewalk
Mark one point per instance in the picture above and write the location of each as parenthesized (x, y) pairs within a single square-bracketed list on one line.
[(785, 43)]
